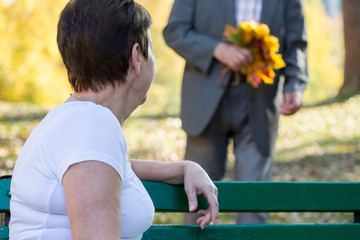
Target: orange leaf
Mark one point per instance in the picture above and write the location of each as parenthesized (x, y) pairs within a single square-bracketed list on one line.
[(229, 30)]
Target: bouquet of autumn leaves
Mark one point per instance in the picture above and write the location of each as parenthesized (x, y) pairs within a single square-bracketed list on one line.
[(257, 39)]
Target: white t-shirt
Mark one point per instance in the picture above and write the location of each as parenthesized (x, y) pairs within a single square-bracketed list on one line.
[(71, 133)]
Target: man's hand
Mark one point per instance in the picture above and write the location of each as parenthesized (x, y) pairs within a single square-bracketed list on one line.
[(292, 103), (232, 56)]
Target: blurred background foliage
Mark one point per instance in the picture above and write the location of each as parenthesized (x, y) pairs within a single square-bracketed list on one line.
[(31, 69), (325, 53), (30, 66)]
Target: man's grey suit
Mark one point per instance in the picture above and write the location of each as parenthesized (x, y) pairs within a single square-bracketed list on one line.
[(195, 27)]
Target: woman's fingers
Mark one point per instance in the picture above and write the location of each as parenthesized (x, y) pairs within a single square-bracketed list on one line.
[(197, 182), (192, 198), (211, 196), (204, 220)]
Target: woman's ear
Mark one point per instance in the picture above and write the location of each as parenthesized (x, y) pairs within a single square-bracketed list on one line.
[(135, 59)]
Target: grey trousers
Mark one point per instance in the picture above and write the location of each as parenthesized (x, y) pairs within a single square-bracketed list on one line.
[(210, 149)]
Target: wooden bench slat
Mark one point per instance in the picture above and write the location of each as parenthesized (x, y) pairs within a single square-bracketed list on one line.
[(4, 195), (4, 233), (265, 196), (256, 232), (249, 196), (260, 196)]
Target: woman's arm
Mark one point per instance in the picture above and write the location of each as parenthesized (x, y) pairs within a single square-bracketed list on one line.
[(161, 171), (195, 180), (93, 193)]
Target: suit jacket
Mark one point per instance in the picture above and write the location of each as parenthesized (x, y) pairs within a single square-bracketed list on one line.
[(195, 27)]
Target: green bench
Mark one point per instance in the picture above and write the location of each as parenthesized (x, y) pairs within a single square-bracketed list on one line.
[(249, 196)]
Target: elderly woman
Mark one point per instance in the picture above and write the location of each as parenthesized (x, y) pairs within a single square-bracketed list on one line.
[(82, 184)]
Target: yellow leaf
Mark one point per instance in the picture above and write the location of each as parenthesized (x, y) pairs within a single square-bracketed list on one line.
[(245, 26), (261, 31), (271, 43), (268, 76), (278, 62)]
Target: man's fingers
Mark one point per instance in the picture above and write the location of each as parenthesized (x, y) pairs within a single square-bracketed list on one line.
[(289, 109), (232, 56), (242, 58), (236, 62), (292, 103), (247, 56), (285, 110)]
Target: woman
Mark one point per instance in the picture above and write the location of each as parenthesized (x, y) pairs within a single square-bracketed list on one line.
[(82, 183)]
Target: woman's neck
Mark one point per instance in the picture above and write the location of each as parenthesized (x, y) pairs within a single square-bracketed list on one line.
[(115, 99)]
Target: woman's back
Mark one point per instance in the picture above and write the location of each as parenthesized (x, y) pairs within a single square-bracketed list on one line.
[(71, 133)]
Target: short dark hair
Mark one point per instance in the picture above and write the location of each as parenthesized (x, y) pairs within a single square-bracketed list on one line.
[(95, 40)]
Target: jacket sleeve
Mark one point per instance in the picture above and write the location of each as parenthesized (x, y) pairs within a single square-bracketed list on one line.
[(295, 47), (181, 35)]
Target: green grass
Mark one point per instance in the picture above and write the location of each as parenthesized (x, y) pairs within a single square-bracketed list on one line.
[(320, 143)]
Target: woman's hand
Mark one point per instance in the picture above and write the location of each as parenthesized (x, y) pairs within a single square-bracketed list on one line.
[(196, 182), (194, 178)]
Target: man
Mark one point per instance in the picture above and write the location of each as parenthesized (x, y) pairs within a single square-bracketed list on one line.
[(212, 113)]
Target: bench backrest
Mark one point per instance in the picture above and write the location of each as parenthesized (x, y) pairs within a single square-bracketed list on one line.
[(245, 197), (263, 197)]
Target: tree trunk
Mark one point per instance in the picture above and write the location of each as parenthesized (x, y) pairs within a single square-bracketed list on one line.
[(351, 9)]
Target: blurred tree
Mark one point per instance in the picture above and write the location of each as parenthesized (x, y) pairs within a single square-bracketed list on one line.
[(30, 65), (31, 68), (351, 17), (324, 53)]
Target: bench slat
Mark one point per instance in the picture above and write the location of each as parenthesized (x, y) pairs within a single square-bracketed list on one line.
[(4, 233), (256, 232), (260, 196), (4, 195), (265, 196)]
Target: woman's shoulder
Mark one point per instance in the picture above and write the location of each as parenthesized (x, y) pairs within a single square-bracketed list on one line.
[(83, 115), (83, 121), (78, 131), (83, 109)]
